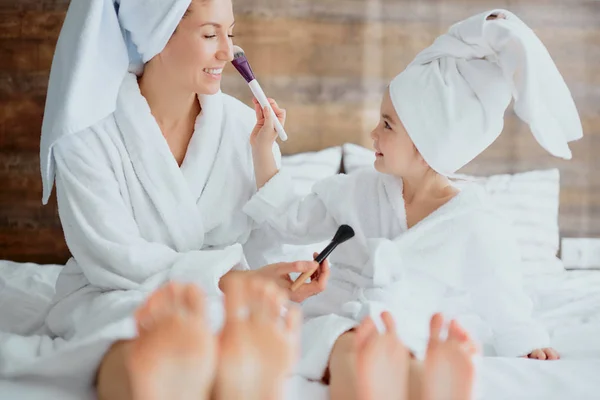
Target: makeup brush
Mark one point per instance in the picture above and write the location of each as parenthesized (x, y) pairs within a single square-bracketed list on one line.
[(343, 234), (240, 62)]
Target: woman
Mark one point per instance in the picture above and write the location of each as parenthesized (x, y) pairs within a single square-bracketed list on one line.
[(152, 168)]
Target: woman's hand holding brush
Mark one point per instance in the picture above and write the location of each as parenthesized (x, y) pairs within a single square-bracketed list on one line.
[(279, 273), (318, 282), (343, 234), (262, 138)]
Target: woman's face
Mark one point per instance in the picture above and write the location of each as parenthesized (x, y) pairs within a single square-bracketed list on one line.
[(197, 52), (396, 153)]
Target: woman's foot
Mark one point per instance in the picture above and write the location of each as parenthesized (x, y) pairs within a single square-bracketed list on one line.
[(382, 362), (174, 356), (448, 370), (258, 345)]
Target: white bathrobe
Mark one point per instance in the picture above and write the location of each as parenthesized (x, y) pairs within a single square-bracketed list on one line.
[(134, 220), (461, 260)]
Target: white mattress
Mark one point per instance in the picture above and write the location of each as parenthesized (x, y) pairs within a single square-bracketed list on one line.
[(568, 304)]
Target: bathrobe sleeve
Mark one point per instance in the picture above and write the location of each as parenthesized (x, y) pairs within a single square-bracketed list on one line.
[(494, 276), (102, 234), (294, 219)]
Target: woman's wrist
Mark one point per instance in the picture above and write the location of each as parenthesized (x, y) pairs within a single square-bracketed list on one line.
[(262, 149)]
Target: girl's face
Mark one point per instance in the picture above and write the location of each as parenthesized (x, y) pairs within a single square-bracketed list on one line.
[(395, 151)]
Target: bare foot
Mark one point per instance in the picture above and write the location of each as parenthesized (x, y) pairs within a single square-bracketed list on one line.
[(258, 346), (382, 362), (343, 368), (174, 356), (448, 370)]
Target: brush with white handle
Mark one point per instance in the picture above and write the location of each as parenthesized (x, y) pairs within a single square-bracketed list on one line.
[(240, 62)]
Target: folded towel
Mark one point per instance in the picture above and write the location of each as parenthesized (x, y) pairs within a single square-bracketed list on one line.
[(100, 41), (452, 97)]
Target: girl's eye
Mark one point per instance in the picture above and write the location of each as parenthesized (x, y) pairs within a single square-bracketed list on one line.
[(386, 125)]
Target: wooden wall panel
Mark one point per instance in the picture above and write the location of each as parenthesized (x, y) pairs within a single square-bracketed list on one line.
[(28, 33), (328, 62)]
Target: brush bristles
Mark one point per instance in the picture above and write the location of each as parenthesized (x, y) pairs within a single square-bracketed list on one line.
[(237, 52), (343, 234)]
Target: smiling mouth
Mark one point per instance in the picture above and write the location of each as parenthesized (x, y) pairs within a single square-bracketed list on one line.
[(213, 71)]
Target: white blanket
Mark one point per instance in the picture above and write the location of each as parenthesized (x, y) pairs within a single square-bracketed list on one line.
[(566, 304), (461, 260), (134, 220)]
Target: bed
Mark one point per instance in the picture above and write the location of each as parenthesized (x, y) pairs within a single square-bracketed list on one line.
[(567, 302)]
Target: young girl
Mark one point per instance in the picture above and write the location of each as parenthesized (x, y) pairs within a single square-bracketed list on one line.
[(421, 245)]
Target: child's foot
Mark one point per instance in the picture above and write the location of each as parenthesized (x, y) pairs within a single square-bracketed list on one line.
[(174, 356), (343, 375), (382, 362), (448, 370), (258, 346)]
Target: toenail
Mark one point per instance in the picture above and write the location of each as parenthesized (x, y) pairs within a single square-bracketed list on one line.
[(242, 313)]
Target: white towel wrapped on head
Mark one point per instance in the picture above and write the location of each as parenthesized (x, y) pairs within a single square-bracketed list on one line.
[(452, 97), (100, 41)]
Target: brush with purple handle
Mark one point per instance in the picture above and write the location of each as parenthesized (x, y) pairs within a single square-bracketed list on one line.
[(240, 62)]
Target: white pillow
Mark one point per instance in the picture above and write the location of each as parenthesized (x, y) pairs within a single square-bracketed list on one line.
[(306, 169), (357, 157), (529, 199)]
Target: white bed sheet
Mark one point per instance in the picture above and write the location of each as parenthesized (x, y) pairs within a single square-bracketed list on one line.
[(568, 304)]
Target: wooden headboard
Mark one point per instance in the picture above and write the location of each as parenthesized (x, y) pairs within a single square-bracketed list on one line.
[(327, 62)]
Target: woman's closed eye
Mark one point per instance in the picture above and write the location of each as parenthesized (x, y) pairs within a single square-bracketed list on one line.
[(386, 125), (214, 36)]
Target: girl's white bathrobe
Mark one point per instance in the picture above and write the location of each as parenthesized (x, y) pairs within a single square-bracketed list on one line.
[(461, 260), (133, 220)]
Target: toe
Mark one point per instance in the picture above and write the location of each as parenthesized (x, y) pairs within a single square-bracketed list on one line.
[(173, 295), (537, 354), (266, 305), (160, 304), (552, 354), (365, 331), (143, 319), (389, 323), (456, 332), (194, 300), (471, 348), (435, 326), (293, 319), (235, 301), (163, 300), (293, 325), (276, 300), (257, 294)]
